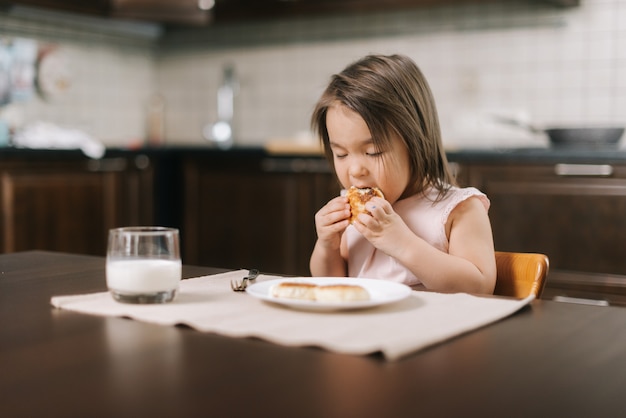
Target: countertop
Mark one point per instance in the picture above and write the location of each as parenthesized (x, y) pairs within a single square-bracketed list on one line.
[(538, 155)]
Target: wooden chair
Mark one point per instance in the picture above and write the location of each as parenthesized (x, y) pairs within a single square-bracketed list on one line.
[(521, 274)]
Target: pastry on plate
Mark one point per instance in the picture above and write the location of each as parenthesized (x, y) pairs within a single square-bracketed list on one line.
[(321, 293), (294, 290), (341, 293)]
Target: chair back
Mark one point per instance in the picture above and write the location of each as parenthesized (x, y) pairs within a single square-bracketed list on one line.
[(521, 274)]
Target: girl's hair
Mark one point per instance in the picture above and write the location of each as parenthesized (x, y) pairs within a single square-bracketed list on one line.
[(392, 96)]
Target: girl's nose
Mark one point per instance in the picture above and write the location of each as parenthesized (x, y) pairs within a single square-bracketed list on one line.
[(357, 168)]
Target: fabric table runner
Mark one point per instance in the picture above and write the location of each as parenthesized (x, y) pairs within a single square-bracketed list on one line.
[(208, 304)]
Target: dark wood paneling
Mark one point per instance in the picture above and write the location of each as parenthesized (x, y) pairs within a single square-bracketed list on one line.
[(245, 216), (57, 211), (70, 205), (577, 220)]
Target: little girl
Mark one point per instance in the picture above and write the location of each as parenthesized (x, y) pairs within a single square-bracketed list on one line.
[(379, 126)]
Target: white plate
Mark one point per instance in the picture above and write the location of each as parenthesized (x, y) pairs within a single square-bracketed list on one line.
[(381, 292)]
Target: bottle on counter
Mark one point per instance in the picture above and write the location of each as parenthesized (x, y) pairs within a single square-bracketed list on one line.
[(4, 134), (155, 128)]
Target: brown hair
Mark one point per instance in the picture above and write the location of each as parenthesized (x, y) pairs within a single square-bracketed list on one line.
[(392, 96)]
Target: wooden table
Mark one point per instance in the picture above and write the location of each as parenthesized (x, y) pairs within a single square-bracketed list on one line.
[(551, 359)]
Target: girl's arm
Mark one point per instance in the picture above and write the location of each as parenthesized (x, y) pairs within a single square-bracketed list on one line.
[(330, 223), (327, 262), (468, 267)]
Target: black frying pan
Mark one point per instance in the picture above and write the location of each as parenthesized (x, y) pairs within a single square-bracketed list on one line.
[(584, 137), (600, 137)]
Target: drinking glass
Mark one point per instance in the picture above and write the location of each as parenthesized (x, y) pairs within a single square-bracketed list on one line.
[(143, 264)]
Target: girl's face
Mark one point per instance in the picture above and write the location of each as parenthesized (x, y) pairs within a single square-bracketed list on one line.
[(358, 162)]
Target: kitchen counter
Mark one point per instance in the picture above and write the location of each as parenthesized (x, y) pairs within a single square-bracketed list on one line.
[(10, 152), (537, 195), (539, 155)]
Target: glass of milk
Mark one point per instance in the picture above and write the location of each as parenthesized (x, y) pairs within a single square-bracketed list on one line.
[(143, 264)]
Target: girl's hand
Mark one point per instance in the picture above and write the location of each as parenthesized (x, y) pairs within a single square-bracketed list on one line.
[(330, 222), (383, 228)]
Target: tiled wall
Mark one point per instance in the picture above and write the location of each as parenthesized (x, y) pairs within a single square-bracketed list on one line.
[(112, 74), (545, 64)]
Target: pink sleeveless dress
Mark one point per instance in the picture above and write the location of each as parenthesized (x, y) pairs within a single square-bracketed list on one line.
[(424, 217)]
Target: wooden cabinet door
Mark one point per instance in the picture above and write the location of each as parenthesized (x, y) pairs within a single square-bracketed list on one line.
[(576, 217), (70, 206), (242, 220), (57, 211), (251, 218)]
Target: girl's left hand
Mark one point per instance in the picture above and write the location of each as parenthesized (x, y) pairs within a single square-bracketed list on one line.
[(383, 228)]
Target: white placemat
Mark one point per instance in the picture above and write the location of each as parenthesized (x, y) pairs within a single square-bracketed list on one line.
[(208, 304)]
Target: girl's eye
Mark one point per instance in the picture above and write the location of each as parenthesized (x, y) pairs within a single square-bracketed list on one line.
[(374, 153), (340, 155)]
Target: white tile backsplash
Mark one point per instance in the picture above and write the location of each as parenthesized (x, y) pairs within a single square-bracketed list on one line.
[(550, 65)]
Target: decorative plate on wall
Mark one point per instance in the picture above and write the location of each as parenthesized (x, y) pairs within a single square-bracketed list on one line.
[(53, 74)]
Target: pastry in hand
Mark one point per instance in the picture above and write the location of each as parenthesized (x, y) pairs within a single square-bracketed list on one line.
[(358, 197)]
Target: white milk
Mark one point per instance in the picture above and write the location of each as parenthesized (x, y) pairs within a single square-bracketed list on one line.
[(143, 275)]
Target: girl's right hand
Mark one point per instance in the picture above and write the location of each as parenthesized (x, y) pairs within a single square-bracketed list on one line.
[(330, 222)]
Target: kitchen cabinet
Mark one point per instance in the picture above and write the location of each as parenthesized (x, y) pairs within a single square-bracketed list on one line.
[(69, 203), (249, 209), (573, 212), (234, 209), (245, 208), (179, 12), (187, 12), (93, 7), (256, 9), (253, 212)]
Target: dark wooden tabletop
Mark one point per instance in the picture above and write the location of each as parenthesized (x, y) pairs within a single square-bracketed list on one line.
[(550, 359)]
